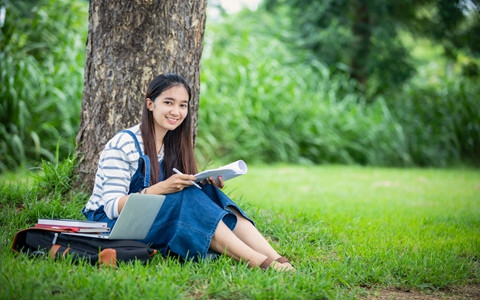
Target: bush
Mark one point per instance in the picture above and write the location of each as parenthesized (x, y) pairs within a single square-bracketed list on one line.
[(42, 54), (441, 121), (260, 102)]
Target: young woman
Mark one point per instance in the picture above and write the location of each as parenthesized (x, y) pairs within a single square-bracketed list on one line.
[(192, 222)]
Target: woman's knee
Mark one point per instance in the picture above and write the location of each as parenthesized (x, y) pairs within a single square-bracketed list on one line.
[(234, 210)]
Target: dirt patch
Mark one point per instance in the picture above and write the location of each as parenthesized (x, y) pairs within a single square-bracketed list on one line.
[(463, 292)]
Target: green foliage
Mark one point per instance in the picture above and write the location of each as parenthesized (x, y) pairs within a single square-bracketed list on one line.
[(56, 177), (264, 97), (260, 102), (349, 231), (362, 37), (441, 122), (42, 55)]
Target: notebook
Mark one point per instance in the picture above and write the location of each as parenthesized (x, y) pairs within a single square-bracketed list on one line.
[(135, 220)]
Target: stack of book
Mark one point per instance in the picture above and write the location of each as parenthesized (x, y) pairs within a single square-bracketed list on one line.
[(73, 225)]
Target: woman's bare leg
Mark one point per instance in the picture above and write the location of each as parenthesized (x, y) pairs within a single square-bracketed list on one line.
[(250, 235), (225, 241)]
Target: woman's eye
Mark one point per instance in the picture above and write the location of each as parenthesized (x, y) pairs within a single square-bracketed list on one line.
[(183, 106)]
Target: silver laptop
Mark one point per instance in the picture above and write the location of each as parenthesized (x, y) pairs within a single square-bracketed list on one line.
[(135, 220)]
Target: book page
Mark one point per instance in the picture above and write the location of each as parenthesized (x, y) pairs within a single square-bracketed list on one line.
[(229, 171), (72, 223)]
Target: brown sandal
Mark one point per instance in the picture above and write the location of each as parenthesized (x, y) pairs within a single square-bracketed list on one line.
[(268, 261), (282, 260)]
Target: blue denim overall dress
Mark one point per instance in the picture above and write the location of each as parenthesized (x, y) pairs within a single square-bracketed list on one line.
[(187, 220)]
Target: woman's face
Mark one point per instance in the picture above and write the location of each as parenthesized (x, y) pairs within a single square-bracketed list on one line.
[(169, 109)]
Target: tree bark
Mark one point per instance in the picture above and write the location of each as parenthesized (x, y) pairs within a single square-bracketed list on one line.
[(129, 43), (361, 30)]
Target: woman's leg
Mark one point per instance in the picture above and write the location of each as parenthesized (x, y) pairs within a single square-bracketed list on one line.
[(250, 235), (225, 241)]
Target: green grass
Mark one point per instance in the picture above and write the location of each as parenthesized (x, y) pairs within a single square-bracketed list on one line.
[(348, 230)]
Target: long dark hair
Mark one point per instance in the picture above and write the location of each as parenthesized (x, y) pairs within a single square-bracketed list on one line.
[(178, 143)]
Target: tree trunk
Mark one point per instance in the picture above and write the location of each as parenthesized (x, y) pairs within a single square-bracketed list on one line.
[(129, 43), (361, 30)]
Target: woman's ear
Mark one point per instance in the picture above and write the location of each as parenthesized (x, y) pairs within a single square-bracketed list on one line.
[(149, 104)]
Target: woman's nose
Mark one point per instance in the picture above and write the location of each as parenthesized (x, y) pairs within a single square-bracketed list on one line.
[(175, 110)]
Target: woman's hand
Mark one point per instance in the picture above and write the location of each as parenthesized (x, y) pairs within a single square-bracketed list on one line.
[(219, 183), (174, 184)]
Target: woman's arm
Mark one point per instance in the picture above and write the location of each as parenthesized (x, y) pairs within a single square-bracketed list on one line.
[(113, 175), (173, 184)]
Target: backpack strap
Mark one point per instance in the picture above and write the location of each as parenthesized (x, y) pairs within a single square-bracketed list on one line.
[(143, 160)]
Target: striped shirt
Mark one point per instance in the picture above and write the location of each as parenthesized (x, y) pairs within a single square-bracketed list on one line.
[(117, 164)]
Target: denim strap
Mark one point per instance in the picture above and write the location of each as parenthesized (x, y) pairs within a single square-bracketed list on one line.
[(143, 158), (134, 136)]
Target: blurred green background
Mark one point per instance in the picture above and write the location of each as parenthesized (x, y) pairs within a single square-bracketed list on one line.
[(382, 83)]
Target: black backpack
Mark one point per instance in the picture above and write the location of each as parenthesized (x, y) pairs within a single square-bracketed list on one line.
[(54, 244)]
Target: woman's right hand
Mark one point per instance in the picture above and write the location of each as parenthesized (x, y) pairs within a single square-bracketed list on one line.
[(173, 184)]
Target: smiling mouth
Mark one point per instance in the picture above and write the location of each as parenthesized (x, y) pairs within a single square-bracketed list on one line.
[(172, 121)]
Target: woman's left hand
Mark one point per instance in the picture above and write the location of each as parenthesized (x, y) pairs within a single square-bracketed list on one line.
[(219, 183)]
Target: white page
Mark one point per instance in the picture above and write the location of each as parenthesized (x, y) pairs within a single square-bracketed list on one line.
[(227, 172)]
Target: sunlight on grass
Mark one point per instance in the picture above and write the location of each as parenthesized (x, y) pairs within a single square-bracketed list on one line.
[(370, 225), (348, 230), (21, 176), (363, 190)]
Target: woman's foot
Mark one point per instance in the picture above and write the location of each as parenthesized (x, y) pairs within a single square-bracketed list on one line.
[(285, 263), (280, 264)]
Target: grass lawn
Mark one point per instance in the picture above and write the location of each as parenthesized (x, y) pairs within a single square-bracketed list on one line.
[(350, 231)]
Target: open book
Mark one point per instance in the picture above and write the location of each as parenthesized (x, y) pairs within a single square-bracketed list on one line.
[(227, 172)]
